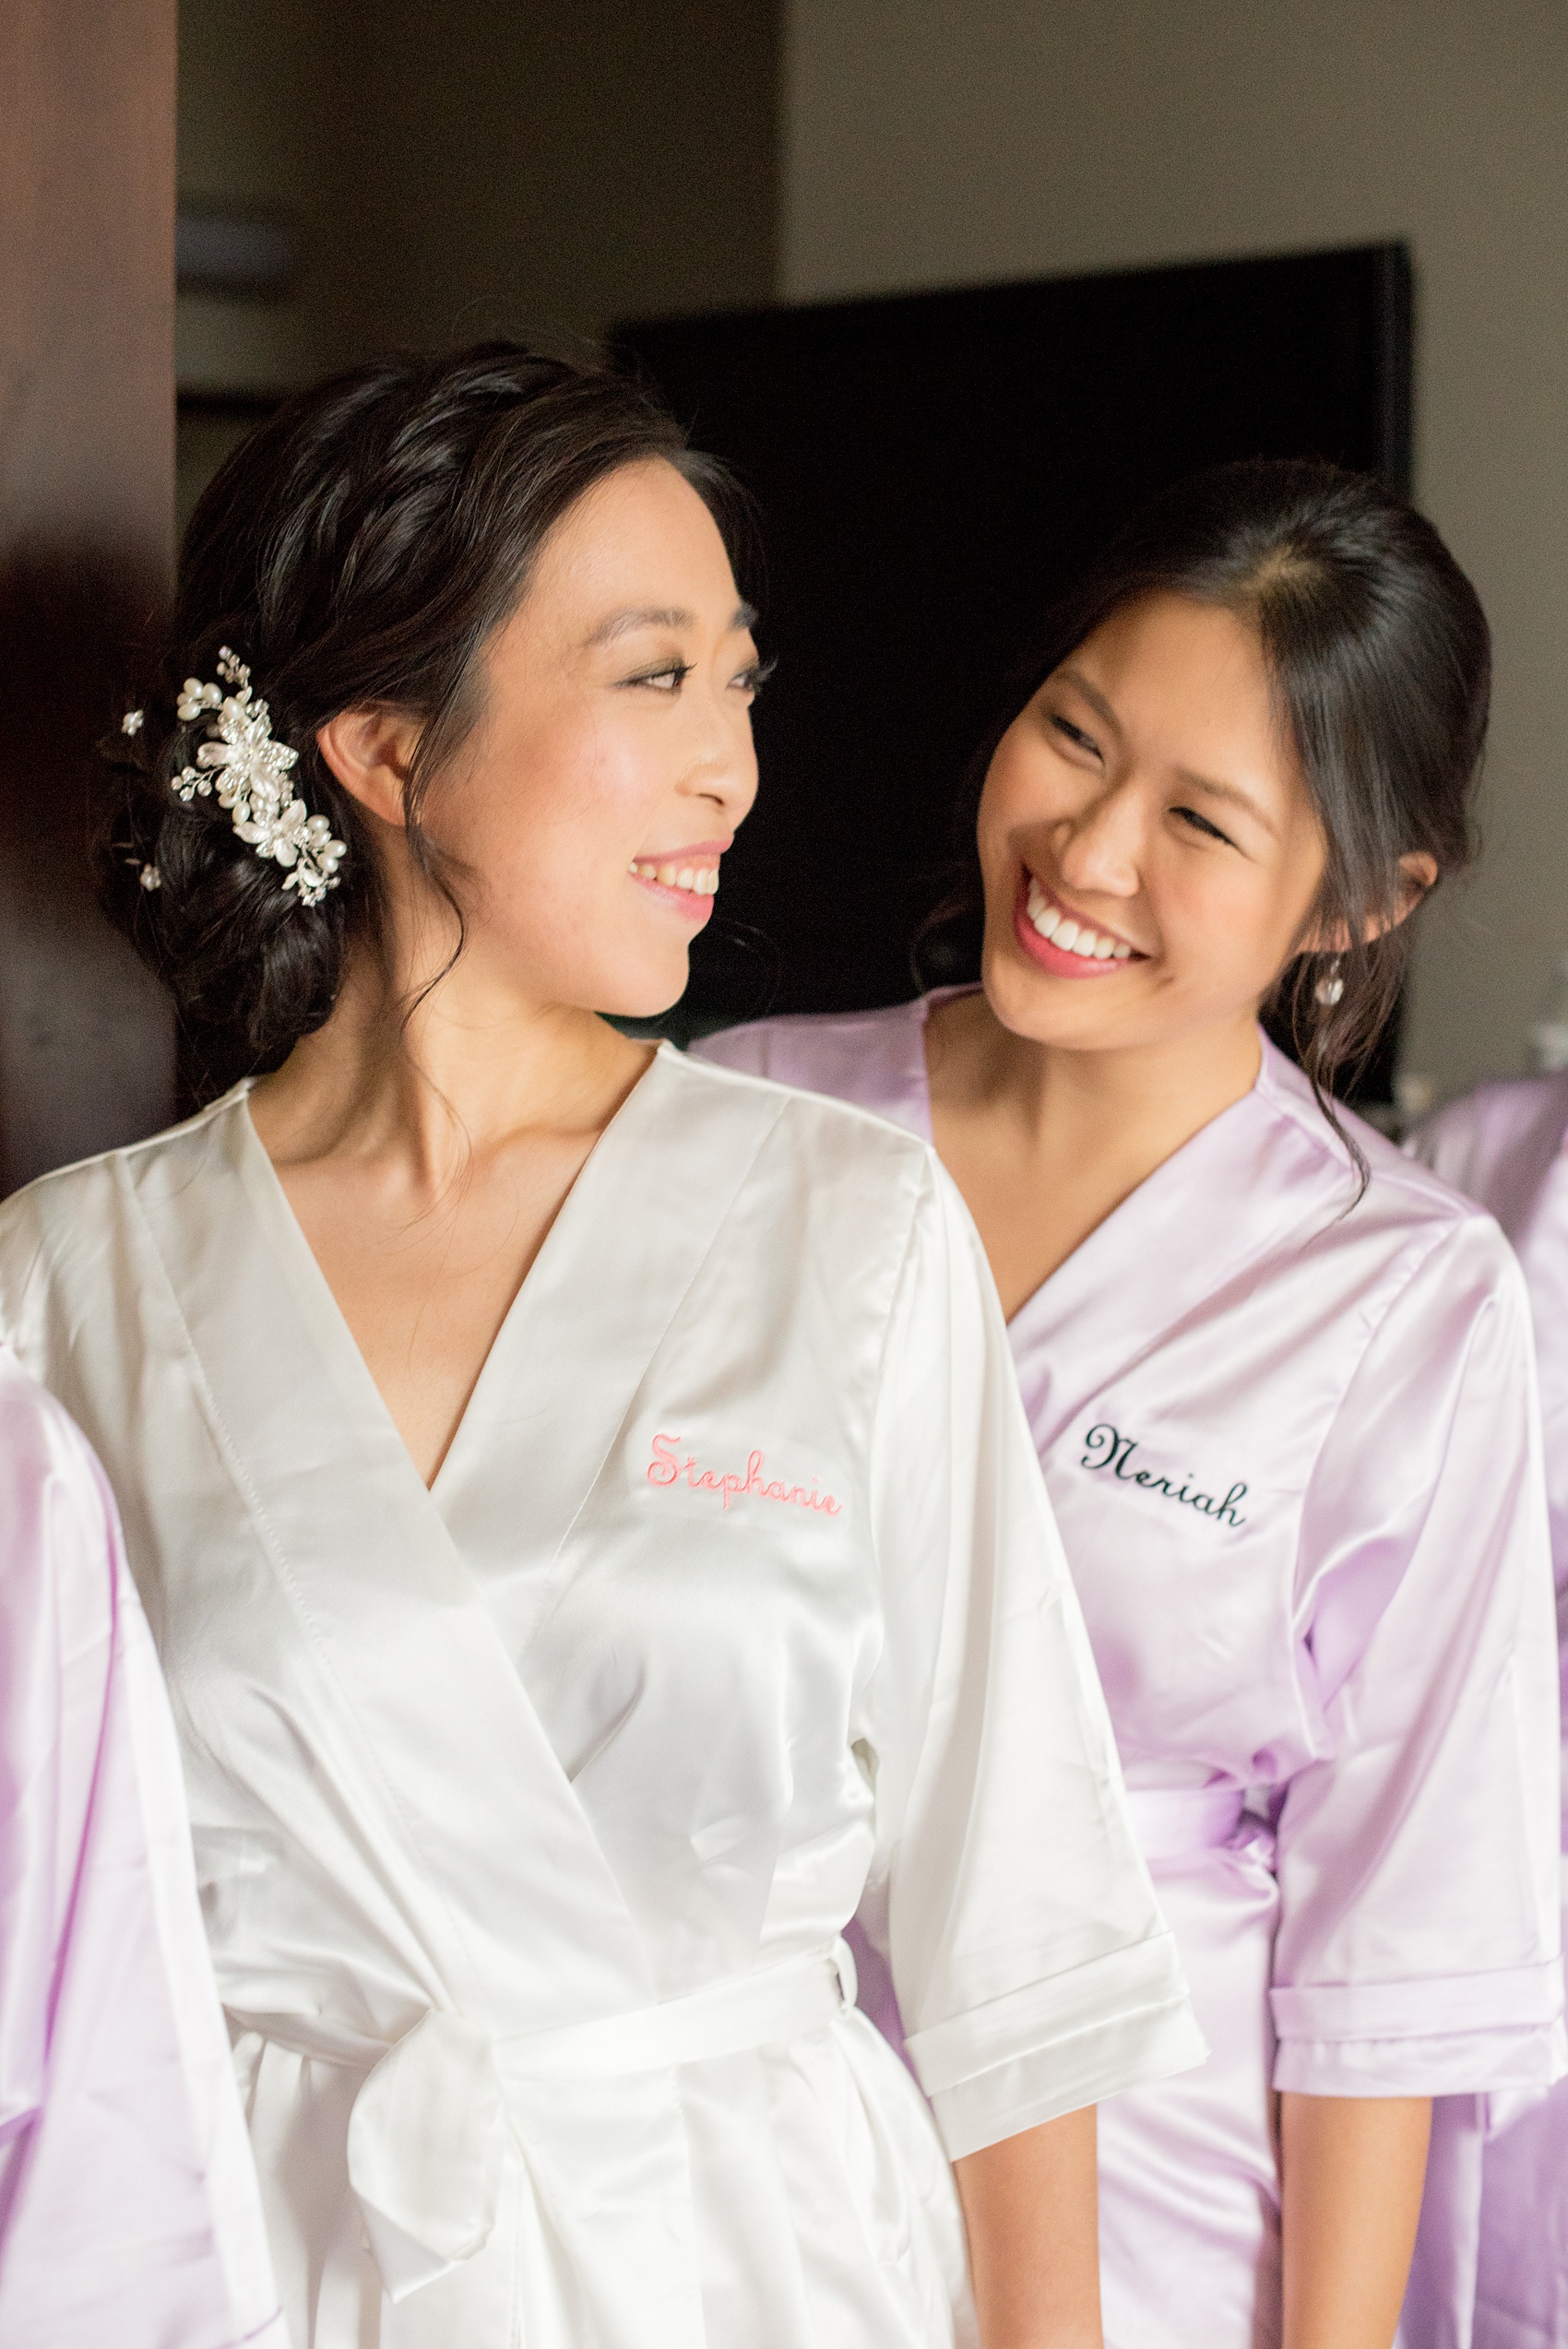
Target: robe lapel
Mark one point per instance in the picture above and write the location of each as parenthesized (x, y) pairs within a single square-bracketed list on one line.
[(1170, 1249), (573, 1352), (472, 1795)]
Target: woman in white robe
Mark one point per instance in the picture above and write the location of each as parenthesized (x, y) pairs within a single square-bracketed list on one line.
[(1279, 1381), (581, 1498)]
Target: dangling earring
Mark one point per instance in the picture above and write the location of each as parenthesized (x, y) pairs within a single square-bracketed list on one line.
[(1331, 986)]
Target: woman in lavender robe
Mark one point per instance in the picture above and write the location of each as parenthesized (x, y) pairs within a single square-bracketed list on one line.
[(1279, 1380), (1506, 1144)]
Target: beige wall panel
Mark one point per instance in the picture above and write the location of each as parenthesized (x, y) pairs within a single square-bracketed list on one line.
[(937, 142), (556, 167)]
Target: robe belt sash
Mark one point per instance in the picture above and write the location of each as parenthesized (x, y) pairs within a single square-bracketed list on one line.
[(429, 2128), (1171, 1821)]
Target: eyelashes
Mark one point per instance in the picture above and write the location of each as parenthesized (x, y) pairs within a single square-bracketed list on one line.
[(671, 675), (1201, 823), (1074, 734)]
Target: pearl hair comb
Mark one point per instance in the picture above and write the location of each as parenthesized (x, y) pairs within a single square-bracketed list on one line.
[(249, 772)]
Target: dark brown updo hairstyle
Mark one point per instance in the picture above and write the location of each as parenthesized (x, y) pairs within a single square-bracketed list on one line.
[(1380, 663), (358, 550)]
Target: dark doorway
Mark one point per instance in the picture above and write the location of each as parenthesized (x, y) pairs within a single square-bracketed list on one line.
[(931, 469)]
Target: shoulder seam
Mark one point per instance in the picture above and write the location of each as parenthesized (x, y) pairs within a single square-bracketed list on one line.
[(832, 1106), (1436, 1240), (1390, 1165), (123, 1151)]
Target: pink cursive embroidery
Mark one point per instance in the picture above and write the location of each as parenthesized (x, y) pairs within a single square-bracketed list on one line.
[(665, 1468)]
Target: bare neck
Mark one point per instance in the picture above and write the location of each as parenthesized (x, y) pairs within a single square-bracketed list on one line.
[(473, 1067), (1046, 1142), (425, 1155)]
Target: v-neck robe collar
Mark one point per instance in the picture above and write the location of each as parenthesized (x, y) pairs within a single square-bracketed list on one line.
[(472, 1789), (1259, 1147), (1192, 1193), (568, 1362)]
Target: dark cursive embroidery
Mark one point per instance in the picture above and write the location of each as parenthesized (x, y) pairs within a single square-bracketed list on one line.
[(1106, 1447)]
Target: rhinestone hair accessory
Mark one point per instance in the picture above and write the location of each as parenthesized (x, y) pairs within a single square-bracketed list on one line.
[(249, 772)]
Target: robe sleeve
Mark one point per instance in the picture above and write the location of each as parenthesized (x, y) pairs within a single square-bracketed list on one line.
[(1418, 1949), (129, 2211), (1033, 1968)]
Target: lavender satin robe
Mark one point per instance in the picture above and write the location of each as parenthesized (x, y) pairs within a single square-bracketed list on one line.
[(1507, 1145), (1295, 1459), (129, 2212)]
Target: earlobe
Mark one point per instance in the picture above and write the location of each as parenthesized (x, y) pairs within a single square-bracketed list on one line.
[(370, 752), (1418, 876)]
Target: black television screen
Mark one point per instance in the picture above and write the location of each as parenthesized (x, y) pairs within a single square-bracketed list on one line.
[(931, 469)]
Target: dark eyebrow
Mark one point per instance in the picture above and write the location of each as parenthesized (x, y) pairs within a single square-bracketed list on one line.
[(622, 624)]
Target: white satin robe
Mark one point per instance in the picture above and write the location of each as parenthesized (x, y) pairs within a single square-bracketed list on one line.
[(1294, 1455), (1507, 1145), (736, 1590), (129, 2217)]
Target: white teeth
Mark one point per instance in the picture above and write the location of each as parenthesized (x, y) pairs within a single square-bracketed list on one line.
[(1074, 937), (1040, 910), (697, 880)]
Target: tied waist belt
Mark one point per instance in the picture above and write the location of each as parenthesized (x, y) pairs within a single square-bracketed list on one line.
[(1171, 1821), (428, 2132)]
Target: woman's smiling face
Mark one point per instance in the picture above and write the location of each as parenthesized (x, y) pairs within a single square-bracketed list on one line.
[(586, 815), (1150, 852)]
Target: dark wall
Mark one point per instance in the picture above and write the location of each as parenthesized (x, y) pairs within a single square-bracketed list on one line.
[(87, 297), (931, 469)]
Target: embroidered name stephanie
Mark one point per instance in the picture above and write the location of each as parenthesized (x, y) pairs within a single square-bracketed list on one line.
[(666, 1468), (1106, 1447)]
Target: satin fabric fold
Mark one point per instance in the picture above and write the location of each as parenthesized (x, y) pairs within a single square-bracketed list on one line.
[(129, 2204), (1506, 2223)]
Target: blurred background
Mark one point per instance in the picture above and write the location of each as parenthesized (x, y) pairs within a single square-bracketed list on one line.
[(347, 177)]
